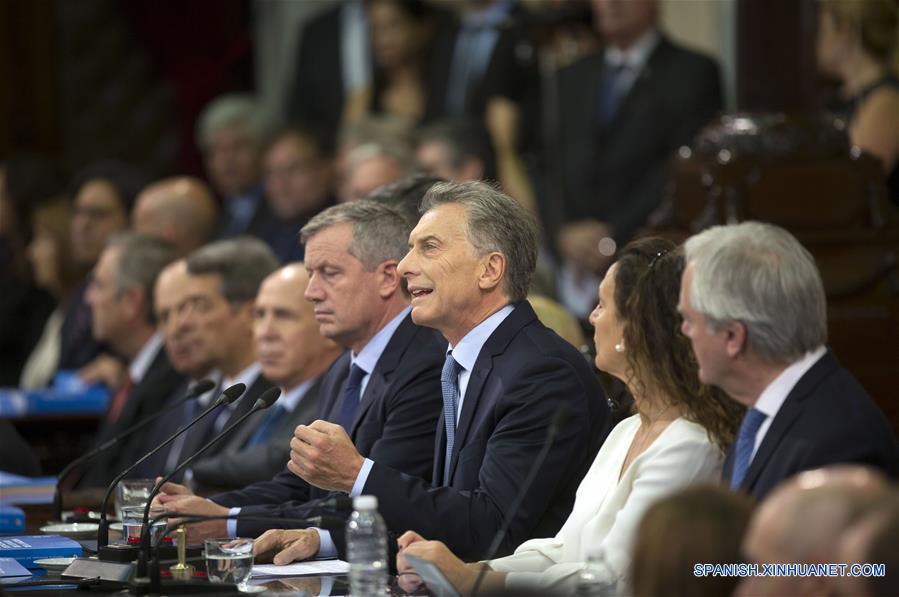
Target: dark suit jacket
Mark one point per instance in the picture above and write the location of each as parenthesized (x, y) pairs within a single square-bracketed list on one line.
[(146, 398), (524, 374), (237, 466), (316, 98), (394, 424), (618, 173), (828, 418)]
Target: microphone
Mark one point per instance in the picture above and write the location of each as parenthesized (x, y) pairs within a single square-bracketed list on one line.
[(559, 419), (228, 396), (198, 389), (264, 401)]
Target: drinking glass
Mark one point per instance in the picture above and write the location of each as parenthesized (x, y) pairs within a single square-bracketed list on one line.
[(229, 561)]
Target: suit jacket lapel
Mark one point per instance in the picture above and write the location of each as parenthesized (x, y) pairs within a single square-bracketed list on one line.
[(496, 344), (786, 416), (379, 378)]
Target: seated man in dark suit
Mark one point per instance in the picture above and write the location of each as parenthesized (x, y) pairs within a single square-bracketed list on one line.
[(754, 309), (384, 390), (623, 113), (206, 313), (293, 355), (119, 294), (505, 377)]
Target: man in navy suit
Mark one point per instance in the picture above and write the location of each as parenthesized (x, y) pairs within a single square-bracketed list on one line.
[(754, 309), (384, 390), (505, 377), (623, 113)]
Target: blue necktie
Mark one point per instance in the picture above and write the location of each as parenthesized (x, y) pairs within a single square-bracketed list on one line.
[(352, 396), (745, 444), (449, 383), (609, 94), (268, 426)]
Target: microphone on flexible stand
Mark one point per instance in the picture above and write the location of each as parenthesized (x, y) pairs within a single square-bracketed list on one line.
[(264, 401), (228, 396), (559, 418), (198, 389)]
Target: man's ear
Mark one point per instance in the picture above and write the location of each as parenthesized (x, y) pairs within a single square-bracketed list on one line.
[(735, 339), (389, 279), (135, 301), (494, 270)]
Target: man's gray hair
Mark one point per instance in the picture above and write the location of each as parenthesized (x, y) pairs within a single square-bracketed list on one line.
[(242, 264), (380, 232), (495, 222), (141, 258), (761, 276), (232, 110)]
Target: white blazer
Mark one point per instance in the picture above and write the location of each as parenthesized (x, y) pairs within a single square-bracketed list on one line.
[(607, 510)]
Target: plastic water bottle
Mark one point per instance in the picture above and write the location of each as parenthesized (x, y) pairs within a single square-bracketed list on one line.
[(597, 578), (366, 537)]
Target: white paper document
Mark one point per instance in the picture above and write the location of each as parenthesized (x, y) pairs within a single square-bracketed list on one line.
[(302, 568)]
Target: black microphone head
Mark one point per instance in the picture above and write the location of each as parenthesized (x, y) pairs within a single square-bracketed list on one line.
[(233, 393), (267, 399), (201, 387)]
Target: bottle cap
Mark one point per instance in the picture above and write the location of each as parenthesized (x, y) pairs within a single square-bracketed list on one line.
[(365, 502)]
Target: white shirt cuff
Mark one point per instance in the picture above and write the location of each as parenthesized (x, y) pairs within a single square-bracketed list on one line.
[(232, 523), (326, 547), (362, 477)]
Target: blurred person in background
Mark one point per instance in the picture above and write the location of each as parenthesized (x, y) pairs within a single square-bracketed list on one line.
[(293, 355), (857, 43), (373, 165), (874, 539), (56, 271), (24, 305), (299, 176), (703, 524), (457, 150), (622, 113), (230, 133), (104, 194), (120, 295), (181, 210), (401, 33)]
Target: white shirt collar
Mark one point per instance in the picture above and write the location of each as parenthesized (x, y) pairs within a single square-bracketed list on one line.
[(466, 352), (636, 56), (291, 398), (141, 363), (773, 396), (246, 377), (368, 357)]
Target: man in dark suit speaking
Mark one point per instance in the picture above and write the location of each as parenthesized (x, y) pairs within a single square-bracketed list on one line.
[(754, 309), (504, 378), (384, 391)]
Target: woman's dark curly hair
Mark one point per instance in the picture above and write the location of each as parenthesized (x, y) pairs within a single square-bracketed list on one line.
[(647, 285)]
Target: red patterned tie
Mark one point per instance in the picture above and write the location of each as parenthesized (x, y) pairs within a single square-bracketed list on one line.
[(118, 401)]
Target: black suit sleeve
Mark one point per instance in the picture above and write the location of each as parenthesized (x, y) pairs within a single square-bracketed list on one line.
[(468, 520)]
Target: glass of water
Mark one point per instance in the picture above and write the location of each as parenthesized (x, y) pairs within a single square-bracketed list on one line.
[(133, 525), (132, 492), (229, 561)]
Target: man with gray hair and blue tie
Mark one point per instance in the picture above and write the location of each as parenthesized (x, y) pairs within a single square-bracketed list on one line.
[(754, 309)]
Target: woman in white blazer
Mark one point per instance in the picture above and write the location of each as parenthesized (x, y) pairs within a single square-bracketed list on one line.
[(676, 437)]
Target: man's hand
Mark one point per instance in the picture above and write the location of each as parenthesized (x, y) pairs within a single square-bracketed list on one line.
[(196, 506), (282, 547), (104, 369), (405, 540), (579, 243), (170, 492), (323, 455)]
